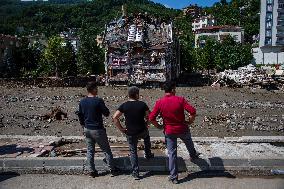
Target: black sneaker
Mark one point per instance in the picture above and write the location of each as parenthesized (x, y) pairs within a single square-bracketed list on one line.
[(149, 156), (114, 172), (93, 174), (136, 176), (194, 157), (174, 181)]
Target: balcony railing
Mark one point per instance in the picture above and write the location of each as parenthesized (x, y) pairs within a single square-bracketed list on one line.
[(280, 43), (280, 34)]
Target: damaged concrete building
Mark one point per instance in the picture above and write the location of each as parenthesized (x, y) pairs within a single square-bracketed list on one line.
[(141, 49)]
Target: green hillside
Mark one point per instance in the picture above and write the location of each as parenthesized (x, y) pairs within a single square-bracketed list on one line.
[(56, 16)]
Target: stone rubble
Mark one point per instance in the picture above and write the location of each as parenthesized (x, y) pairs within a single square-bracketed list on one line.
[(263, 77), (18, 148), (140, 49)]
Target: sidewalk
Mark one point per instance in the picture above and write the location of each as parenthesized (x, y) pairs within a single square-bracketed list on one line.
[(241, 155), (192, 181)]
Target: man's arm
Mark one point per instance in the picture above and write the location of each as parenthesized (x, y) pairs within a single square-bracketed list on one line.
[(81, 116), (147, 118), (191, 110), (153, 115), (104, 109), (116, 121)]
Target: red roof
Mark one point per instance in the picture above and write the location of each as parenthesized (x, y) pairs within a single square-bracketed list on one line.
[(218, 27)]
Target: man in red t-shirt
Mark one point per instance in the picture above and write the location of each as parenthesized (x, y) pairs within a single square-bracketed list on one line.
[(171, 109)]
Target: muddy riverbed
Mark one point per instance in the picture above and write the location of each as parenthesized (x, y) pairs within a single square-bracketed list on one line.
[(221, 112)]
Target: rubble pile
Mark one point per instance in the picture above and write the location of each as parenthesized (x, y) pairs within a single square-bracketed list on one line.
[(15, 148), (1, 121), (263, 77), (244, 120), (140, 49), (55, 114)]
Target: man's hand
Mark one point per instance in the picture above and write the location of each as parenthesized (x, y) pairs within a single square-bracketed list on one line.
[(123, 130), (83, 132), (117, 123), (190, 120), (161, 127)]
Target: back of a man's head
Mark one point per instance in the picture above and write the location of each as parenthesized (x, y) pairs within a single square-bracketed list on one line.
[(91, 86), (169, 86), (133, 92)]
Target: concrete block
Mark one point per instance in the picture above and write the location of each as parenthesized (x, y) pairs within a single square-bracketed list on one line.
[(197, 165), (63, 162), (1, 165), (261, 139), (155, 164), (23, 163), (267, 162), (229, 164)]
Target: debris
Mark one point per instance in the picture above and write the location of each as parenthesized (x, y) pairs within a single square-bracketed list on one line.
[(1, 121), (140, 49), (56, 113), (277, 172), (264, 77)]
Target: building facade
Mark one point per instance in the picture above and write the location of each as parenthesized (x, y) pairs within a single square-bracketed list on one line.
[(192, 10), (202, 22), (218, 33), (271, 43)]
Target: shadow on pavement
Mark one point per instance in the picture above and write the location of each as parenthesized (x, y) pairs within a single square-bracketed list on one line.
[(213, 168), (13, 148), (7, 175)]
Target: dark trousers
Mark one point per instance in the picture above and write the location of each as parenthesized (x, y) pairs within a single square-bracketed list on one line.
[(133, 141), (99, 137), (171, 142)]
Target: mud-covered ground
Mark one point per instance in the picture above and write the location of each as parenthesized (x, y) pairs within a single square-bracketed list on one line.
[(221, 112)]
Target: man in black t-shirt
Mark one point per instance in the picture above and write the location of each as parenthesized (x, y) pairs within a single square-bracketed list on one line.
[(135, 113)]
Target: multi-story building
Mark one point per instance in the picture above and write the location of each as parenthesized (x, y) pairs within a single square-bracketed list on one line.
[(202, 22), (192, 10), (271, 44), (219, 33), (8, 44)]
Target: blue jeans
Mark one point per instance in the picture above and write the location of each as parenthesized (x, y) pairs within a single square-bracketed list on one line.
[(171, 142), (99, 137), (133, 141)]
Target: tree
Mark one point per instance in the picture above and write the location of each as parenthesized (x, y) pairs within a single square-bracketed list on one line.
[(90, 55), (205, 55), (227, 54), (186, 38), (58, 58)]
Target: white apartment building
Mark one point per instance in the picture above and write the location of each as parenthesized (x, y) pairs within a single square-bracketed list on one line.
[(271, 44), (202, 22), (219, 33)]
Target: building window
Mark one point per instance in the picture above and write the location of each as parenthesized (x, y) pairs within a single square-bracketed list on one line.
[(268, 41), (268, 16), (268, 25), (268, 33), (269, 8), (281, 5), (269, 1)]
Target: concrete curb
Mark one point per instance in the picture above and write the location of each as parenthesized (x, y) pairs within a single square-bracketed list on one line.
[(77, 165), (243, 139)]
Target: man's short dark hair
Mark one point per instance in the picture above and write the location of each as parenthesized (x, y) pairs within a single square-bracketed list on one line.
[(91, 86), (169, 86), (133, 92)]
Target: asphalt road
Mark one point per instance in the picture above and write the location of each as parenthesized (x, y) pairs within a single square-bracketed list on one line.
[(125, 181)]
